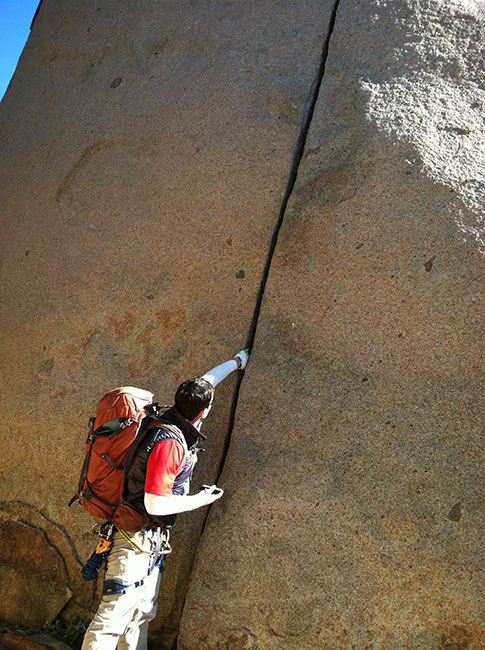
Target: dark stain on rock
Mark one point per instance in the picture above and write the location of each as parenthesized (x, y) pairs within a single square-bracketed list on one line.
[(456, 512), (429, 264), (458, 638), (46, 367), (240, 275), (86, 155), (19, 218), (158, 46), (116, 82), (386, 560), (459, 130)]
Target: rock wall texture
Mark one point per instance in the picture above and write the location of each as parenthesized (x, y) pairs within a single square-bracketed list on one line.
[(145, 150), (148, 152), (353, 512)]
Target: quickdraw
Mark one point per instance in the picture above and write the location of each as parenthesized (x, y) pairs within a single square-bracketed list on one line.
[(104, 531)]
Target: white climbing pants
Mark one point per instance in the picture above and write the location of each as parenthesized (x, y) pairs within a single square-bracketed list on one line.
[(122, 619)]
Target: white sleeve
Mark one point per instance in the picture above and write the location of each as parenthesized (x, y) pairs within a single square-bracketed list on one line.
[(219, 373), (173, 503)]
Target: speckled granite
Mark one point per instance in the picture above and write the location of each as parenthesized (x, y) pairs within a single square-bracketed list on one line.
[(353, 513), (145, 151), (34, 585)]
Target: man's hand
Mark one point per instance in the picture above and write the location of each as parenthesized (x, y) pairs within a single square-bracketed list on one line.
[(241, 358), (211, 493), (220, 372)]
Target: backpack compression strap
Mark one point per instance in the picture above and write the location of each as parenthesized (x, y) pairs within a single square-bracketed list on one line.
[(108, 429)]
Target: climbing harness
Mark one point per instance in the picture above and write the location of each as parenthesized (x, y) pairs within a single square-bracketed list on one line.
[(99, 556), (127, 537), (162, 544), (112, 587), (162, 547)]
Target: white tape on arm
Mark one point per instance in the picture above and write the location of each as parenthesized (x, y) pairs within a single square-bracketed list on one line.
[(173, 504), (219, 373)]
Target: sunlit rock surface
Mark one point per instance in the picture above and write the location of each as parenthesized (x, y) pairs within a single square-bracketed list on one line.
[(353, 511), (145, 150)]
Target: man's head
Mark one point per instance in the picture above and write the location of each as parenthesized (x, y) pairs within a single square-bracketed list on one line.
[(193, 397)]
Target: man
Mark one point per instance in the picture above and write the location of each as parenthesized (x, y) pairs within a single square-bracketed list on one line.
[(157, 484)]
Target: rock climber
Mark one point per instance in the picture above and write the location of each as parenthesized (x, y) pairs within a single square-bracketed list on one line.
[(158, 484)]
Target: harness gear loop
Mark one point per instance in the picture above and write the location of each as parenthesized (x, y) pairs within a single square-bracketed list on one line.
[(104, 531), (162, 547)]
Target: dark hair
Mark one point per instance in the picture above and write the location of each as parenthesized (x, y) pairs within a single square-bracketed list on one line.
[(193, 396)]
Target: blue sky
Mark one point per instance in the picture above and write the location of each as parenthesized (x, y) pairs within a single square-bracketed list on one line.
[(15, 19)]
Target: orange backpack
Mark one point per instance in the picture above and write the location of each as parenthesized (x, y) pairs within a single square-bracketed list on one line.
[(122, 415)]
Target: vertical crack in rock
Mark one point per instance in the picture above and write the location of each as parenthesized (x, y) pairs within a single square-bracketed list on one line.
[(297, 156)]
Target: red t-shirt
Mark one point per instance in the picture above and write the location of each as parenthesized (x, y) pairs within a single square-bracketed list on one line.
[(162, 466)]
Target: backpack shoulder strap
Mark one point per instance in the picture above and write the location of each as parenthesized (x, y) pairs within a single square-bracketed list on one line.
[(177, 435), (146, 423), (152, 422)]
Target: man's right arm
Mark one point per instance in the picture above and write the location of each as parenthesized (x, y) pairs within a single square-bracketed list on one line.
[(220, 372)]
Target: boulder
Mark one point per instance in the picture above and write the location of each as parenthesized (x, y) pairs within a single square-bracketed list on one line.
[(352, 516), (145, 151), (34, 585)]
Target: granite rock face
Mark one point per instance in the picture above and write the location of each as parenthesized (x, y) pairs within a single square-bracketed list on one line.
[(353, 514), (145, 151), (34, 585)]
